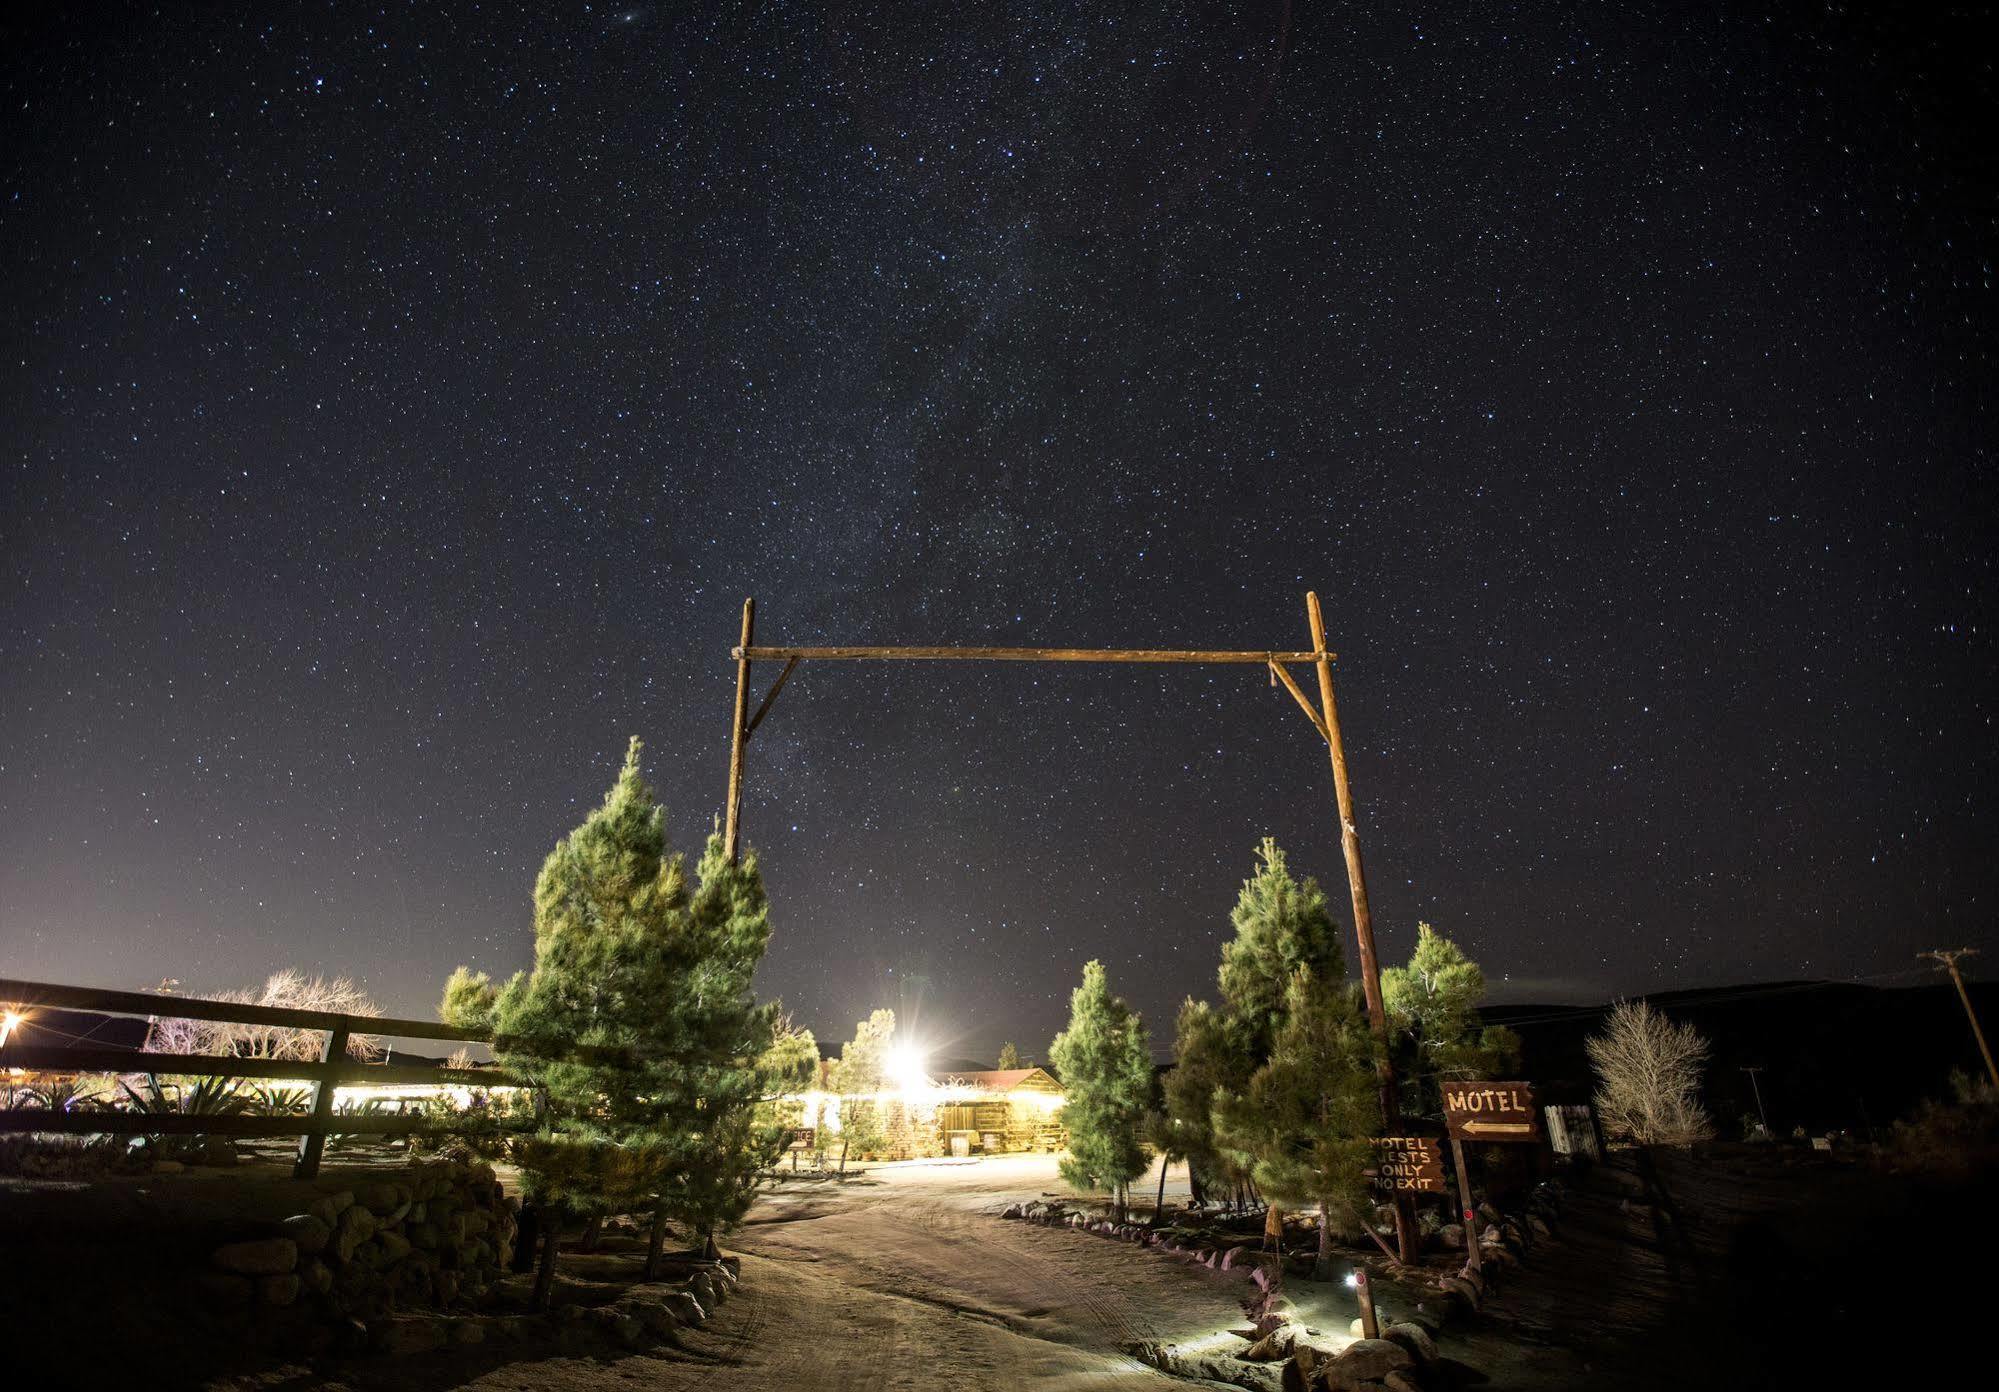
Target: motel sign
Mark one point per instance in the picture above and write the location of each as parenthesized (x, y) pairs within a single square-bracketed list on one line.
[(1491, 1112)]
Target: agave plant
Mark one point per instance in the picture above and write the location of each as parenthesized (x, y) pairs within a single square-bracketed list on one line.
[(370, 1107), (280, 1101), (206, 1097), (62, 1095)]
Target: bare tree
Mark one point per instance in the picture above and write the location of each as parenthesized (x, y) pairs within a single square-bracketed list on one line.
[(1648, 1071), (289, 989)]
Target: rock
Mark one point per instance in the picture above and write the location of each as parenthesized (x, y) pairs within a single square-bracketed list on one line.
[(1463, 1289), (407, 1334), (394, 1246), (1357, 1327), (315, 1275), (1261, 1275), (339, 1202), (686, 1309), (627, 1327), (1538, 1226), (1278, 1311), (1414, 1338), (354, 1227), (1366, 1360), (1452, 1235), (424, 1235), (1231, 1257), (468, 1331), (167, 1167), (1400, 1381), (265, 1257), (309, 1231), (278, 1290), (219, 1151), (651, 1313), (382, 1198), (1274, 1345), (1312, 1351)]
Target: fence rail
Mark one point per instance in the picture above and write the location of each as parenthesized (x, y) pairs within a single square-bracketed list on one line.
[(333, 1068)]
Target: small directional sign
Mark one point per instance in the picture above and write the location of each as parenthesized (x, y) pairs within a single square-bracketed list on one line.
[(1492, 1112), (1406, 1165)]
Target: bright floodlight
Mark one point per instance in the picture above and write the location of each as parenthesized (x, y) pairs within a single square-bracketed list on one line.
[(1353, 1281), (8, 1019), (905, 1068)]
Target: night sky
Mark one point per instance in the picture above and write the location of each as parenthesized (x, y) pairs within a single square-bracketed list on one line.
[(399, 405)]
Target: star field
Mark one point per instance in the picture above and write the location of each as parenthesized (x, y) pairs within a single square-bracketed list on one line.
[(402, 401)]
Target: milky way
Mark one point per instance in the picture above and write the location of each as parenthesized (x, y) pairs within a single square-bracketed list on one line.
[(401, 405)]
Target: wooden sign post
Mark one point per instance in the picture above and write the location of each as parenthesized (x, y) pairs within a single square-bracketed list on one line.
[(1472, 1257), (1494, 1112)]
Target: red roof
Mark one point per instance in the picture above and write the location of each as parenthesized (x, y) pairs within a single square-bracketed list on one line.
[(999, 1079)]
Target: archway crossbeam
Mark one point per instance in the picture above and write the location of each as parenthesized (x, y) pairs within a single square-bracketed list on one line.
[(1324, 716)]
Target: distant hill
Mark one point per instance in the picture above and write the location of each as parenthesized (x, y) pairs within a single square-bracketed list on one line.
[(1833, 1054)]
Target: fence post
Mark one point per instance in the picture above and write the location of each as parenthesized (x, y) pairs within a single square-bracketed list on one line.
[(312, 1144)]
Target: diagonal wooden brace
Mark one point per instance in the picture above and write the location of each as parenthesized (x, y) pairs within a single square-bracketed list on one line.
[(1304, 705)]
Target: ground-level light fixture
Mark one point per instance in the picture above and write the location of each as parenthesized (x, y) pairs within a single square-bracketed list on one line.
[(1370, 1327)]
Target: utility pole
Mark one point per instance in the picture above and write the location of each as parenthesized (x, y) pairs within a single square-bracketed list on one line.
[(1758, 1090), (1947, 959)]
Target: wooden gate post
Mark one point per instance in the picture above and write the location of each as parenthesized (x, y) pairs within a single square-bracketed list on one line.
[(739, 731), (312, 1144), (1363, 917)]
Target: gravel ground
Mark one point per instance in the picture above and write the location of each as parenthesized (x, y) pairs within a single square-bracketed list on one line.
[(903, 1278)]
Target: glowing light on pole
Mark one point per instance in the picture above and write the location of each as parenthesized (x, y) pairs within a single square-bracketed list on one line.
[(905, 1069)]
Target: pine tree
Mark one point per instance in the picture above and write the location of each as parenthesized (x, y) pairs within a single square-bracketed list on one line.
[(1009, 1057), (1281, 925), (1432, 1006), (1210, 1059), (725, 1077), (857, 1079), (1307, 1115), (468, 1002), (792, 1061), (638, 1023), (1105, 1063)]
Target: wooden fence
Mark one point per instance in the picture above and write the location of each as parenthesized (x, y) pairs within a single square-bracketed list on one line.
[(332, 1069)]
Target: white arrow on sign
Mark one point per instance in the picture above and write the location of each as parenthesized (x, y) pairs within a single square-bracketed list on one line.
[(1497, 1128)]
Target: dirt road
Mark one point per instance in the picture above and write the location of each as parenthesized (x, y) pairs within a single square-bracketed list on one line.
[(906, 1278)]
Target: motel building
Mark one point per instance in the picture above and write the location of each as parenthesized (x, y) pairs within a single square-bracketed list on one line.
[(981, 1113)]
